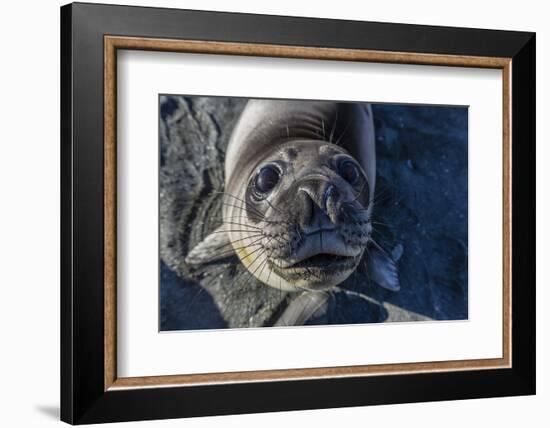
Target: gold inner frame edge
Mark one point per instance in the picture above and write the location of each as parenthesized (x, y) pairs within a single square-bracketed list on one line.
[(113, 43)]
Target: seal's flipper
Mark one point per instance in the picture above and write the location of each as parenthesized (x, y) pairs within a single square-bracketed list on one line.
[(382, 269), (214, 247), (303, 307)]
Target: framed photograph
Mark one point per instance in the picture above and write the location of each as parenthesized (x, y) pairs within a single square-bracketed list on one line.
[(266, 213)]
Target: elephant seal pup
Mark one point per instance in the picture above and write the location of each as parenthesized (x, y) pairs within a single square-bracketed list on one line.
[(297, 207)]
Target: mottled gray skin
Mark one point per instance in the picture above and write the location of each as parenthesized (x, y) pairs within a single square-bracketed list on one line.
[(310, 232)]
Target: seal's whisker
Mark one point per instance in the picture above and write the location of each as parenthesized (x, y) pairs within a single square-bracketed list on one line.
[(263, 267), (261, 253), (221, 222), (242, 224), (353, 212), (251, 274), (280, 286), (243, 210), (376, 231), (350, 214), (226, 203), (189, 305), (248, 245), (232, 230), (247, 204), (253, 261), (381, 248), (232, 251), (269, 275), (262, 218), (365, 266), (259, 219), (245, 207), (384, 192), (260, 235), (229, 220), (232, 217), (386, 195), (271, 205), (333, 127), (342, 134), (365, 185), (261, 248), (377, 200)]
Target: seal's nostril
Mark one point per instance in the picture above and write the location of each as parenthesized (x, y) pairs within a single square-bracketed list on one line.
[(331, 203), (306, 206), (327, 194)]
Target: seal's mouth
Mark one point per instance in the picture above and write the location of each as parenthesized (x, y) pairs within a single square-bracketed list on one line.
[(319, 269), (322, 260), (321, 249)]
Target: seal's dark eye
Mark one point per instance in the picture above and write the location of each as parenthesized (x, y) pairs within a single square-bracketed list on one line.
[(267, 179), (349, 172)]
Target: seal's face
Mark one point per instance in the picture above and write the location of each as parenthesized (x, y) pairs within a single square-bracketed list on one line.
[(308, 206)]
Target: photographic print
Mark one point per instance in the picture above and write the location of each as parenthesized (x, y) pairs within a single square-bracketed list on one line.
[(281, 212)]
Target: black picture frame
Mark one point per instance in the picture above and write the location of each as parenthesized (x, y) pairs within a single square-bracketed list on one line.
[(83, 396)]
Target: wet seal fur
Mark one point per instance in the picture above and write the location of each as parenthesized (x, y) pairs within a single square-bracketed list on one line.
[(299, 194)]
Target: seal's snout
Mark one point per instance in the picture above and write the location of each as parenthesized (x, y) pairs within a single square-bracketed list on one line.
[(319, 203)]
